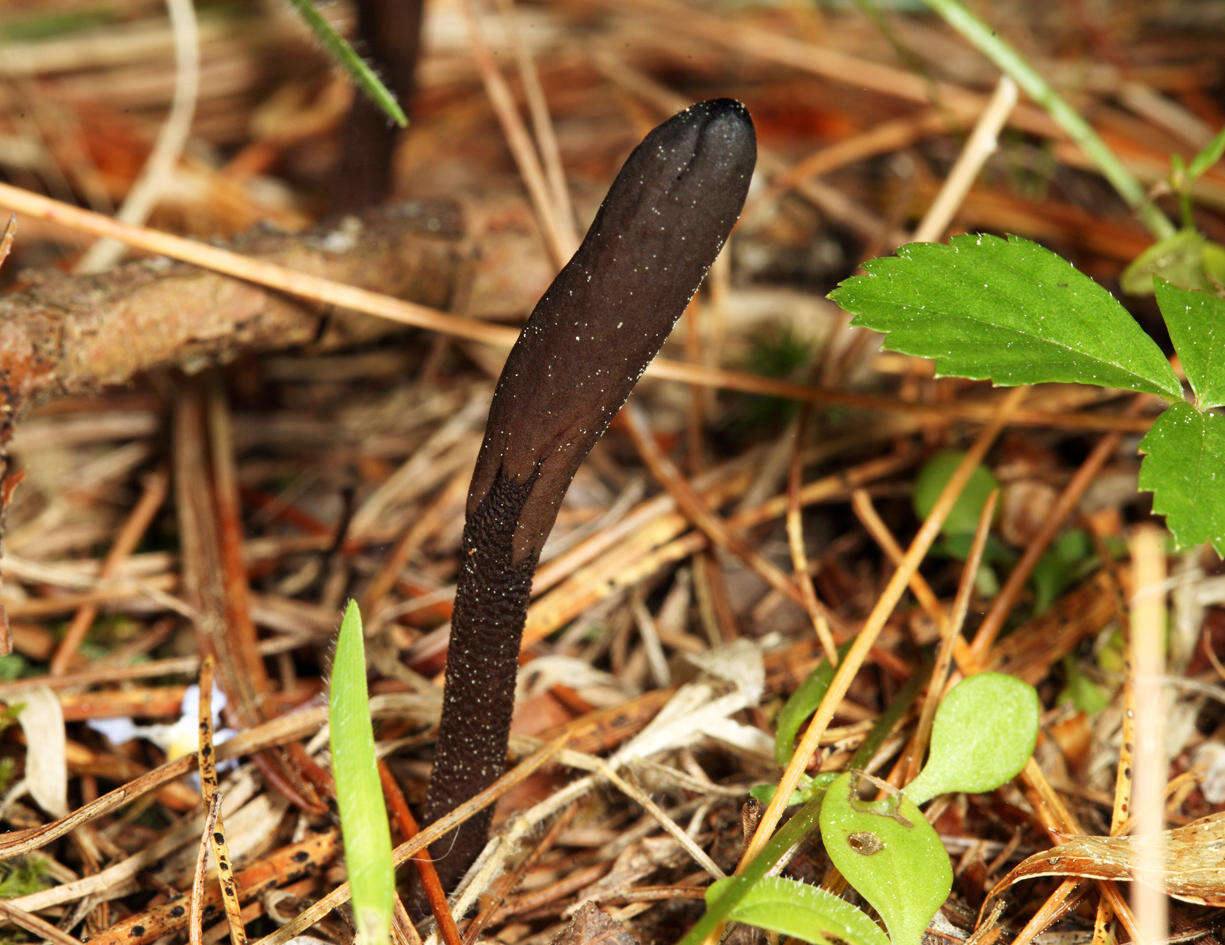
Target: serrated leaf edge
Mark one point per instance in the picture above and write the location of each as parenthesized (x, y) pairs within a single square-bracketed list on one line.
[(879, 267)]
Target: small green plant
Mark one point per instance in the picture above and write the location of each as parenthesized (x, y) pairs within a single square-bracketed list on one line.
[(983, 734), (1188, 258), (1010, 311), (889, 853), (359, 796)]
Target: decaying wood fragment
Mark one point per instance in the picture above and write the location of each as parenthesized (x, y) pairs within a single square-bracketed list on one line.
[(74, 334)]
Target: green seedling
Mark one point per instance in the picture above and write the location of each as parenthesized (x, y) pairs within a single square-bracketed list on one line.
[(807, 790), (1081, 692), (1188, 258), (1010, 311), (359, 796), (804, 702), (983, 733), (888, 851), (1069, 558)]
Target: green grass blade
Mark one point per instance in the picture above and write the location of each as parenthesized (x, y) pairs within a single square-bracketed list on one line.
[(363, 76), (363, 816)]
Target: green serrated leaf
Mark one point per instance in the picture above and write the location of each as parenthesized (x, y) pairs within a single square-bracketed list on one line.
[(359, 795), (1182, 259), (805, 912), (966, 511), (890, 854), (1210, 154), (982, 735), (1184, 468), (1196, 321), (800, 705), (1006, 310)]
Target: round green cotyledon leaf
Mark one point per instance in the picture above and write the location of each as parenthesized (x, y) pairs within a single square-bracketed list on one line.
[(890, 854), (982, 735), (935, 474), (805, 912)]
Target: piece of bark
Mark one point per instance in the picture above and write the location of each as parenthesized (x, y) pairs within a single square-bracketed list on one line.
[(74, 334)]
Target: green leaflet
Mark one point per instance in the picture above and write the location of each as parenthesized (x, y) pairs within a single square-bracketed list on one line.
[(1187, 259), (890, 854), (983, 733), (1062, 564), (1184, 468), (805, 912), (935, 474), (1008, 310), (1196, 321), (800, 705), (359, 796)]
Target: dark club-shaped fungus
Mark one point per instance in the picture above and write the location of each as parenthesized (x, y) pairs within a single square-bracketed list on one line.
[(590, 337)]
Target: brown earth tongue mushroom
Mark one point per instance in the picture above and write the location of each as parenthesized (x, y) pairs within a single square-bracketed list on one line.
[(590, 337)]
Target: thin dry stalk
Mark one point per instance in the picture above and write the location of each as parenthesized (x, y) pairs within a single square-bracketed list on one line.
[(130, 534), (1148, 634), (196, 922), (949, 635), (981, 145), (558, 232), (170, 141)]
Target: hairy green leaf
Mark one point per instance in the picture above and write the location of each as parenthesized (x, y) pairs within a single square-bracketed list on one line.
[(890, 854), (805, 912), (1196, 321), (1006, 310), (1184, 468), (359, 796), (982, 735), (735, 888), (360, 73), (966, 511)]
